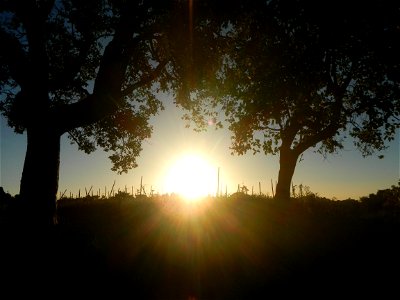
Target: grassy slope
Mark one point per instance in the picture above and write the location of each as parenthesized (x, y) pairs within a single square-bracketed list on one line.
[(218, 249)]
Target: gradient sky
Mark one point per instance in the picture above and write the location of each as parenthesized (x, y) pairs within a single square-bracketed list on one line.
[(343, 175)]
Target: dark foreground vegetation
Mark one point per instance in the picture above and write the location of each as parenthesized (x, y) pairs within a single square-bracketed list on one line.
[(237, 247)]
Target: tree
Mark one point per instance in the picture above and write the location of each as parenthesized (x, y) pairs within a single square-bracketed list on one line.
[(90, 69), (307, 74)]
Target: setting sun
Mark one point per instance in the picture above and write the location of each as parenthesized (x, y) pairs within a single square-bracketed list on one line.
[(192, 177)]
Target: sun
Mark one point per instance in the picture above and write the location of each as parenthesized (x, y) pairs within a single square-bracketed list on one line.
[(192, 177)]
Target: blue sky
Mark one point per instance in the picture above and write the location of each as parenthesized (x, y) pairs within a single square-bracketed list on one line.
[(343, 175)]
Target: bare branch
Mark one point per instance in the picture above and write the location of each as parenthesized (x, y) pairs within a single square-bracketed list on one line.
[(75, 139)]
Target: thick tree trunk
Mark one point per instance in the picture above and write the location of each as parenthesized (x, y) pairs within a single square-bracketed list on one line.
[(287, 164), (39, 182)]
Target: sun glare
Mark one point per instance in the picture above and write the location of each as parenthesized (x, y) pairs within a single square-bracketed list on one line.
[(192, 177)]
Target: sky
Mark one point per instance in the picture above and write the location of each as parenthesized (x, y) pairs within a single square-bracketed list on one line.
[(340, 176)]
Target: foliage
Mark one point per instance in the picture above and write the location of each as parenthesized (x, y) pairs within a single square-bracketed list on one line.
[(93, 69), (387, 200), (306, 75), (294, 73)]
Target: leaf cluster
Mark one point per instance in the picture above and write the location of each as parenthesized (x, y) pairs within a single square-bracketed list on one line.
[(94, 69), (306, 74)]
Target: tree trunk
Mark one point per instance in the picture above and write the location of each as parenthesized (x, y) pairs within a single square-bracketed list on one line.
[(39, 182), (287, 164)]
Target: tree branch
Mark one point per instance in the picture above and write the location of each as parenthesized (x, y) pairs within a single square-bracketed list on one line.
[(145, 80), (70, 70), (74, 138), (14, 57), (311, 141), (95, 107), (268, 128)]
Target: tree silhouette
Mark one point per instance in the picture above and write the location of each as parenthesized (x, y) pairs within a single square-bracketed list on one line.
[(297, 75), (91, 69)]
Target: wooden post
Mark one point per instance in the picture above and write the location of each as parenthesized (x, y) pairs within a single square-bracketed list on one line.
[(62, 195), (218, 183), (293, 191), (272, 187), (112, 190)]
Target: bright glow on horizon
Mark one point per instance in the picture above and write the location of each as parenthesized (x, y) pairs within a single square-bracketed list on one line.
[(343, 175), (192, 177)]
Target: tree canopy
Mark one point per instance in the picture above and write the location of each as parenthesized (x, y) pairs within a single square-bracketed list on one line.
[(93, 69), (297, 75)]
